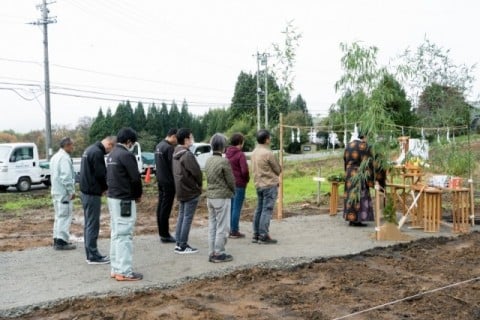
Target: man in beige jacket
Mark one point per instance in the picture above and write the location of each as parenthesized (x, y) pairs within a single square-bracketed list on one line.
[(266, 171)]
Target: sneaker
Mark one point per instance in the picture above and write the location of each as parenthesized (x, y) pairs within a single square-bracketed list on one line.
[(134, 276), (266, 240), (220, 258), (236, 235), (101, 260), (255, 238), (185, 250)]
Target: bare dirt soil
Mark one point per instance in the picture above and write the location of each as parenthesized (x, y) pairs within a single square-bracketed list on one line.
[(435, 278), (324, 289)]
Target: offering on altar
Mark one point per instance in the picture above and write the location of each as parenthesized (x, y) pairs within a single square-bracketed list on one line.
[(455, 182), (415, 162), (340, 177), (439, 181)]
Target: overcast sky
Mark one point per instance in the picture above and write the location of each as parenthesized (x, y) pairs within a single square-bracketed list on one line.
[(156, 51)]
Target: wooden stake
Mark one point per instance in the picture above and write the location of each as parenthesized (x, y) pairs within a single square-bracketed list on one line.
[(377, 210), (472, 202)]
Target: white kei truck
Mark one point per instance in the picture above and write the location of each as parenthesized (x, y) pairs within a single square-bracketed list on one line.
[(21, 167)]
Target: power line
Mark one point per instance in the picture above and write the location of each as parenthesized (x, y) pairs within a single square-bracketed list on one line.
[(116, 97), (99, 95), (116, 75)]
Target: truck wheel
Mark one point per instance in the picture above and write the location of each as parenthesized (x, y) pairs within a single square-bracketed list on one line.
[(3, 188), (23, 184)]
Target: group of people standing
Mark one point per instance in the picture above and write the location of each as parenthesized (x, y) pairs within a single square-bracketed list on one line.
[(108, 167), (179, 175)]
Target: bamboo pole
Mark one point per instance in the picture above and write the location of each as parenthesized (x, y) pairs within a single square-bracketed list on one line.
[(280, 187), (472, 202), (377, 211)]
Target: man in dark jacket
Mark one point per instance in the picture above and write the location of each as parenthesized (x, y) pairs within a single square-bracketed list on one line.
[(124, 190), (166, 184), (93, 183), (188, 187)]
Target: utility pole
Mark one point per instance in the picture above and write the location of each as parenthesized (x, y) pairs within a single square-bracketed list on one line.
[(44, 21), (258, 92), (265, 63), (262, 58)]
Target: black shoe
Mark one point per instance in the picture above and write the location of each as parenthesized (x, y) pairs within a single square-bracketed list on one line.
[(255, 238), (62, 245), (100, 260), (168, 239), (266, 240), (357, 224), (220, 258)]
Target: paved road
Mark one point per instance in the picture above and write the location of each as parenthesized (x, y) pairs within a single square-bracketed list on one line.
[(42, 276)]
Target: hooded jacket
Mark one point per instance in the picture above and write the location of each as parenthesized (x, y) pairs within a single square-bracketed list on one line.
[(187, 174), (239, 165)]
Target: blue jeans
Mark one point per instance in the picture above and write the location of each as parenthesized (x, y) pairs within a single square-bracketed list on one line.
[(121, 238), (184, 221), (237, 203), (266, 198)]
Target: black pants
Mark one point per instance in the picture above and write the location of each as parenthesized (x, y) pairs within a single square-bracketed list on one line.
[(166, 195), (91, 211)]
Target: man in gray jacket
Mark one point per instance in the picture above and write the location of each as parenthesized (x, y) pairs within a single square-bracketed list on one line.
[(188, 187)]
